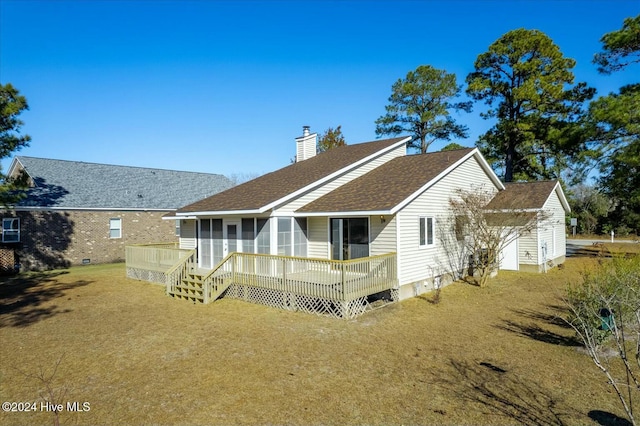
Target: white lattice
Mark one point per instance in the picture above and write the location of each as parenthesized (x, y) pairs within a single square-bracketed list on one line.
[(146, 275), (309, 304)]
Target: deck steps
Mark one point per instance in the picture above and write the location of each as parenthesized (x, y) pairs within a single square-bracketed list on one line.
[(190, 288)]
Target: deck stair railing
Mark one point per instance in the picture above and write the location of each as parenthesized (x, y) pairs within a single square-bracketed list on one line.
[(285, 281)]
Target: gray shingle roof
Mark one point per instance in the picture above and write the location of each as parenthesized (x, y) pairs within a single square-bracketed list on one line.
[(78, 185)]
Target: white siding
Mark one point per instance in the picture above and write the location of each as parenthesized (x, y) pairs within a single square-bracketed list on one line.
[(318, 235), (341, 180), (550, 232), (528, 248), (188, 234), (382, 235), (416, 263), (556, 232)]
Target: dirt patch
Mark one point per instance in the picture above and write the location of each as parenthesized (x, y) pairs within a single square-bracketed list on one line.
[(496, 355)]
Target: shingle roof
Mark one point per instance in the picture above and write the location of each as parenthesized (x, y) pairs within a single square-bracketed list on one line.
[(74, 184), (269, 188), (388, 185), (523, 195)]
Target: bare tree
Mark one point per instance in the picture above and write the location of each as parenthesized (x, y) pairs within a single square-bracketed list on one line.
[(239, 178), (50, 395), (482, 233), (604, 311)]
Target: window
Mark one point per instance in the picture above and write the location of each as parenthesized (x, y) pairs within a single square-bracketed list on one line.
[(210, 245), (177, 227), (205, 243), (217, 245), (115, 228), (248, 235), (284, 236), (11, 230), (264, 236), (300, 237), (426, 231), (349, 238)]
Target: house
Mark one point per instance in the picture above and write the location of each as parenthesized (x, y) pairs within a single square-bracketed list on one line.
[(546, 247), (77, 213), (333, 233)]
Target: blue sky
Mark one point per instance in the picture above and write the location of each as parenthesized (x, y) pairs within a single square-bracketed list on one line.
[(226, 86)]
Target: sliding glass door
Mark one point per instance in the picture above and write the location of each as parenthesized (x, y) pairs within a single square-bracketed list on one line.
[(349, 238)]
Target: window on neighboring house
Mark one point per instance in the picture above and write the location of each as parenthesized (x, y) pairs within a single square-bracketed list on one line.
[(10, 230), (177, 227), (115, 228), (426, 231)]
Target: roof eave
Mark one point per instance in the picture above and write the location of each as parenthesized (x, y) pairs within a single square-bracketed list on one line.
[(473, 153), (195, 214), (563, 199), (175, 217), (344, 213)]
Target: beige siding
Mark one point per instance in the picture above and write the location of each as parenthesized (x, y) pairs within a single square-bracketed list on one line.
[(188, 234), (318, 235), (339, 181), (382, 235), (415, 263)]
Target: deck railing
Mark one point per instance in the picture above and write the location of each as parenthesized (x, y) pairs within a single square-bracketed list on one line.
[(336, 280), (154, 257), (322, 278)]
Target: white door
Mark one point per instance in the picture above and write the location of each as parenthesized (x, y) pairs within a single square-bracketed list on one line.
[(231, 236), (509, 256)]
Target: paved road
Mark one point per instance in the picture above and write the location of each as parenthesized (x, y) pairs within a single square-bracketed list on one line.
[(574, 246)]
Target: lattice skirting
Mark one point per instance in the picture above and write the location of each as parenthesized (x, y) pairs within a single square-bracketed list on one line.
[(7, 260), (146, 275), (309, 304)]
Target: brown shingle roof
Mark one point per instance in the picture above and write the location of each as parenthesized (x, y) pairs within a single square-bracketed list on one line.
[(388, 185), (273, 186), (523, 195)]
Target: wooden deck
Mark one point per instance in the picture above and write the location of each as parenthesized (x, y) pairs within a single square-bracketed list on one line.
[(284, 281)]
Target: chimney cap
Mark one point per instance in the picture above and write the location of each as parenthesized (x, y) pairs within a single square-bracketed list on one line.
[(305, 130)]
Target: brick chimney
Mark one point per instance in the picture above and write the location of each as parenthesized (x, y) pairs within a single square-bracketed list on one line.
[(306, 145)]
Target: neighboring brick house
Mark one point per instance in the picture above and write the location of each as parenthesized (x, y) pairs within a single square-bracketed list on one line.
[(77, 213)]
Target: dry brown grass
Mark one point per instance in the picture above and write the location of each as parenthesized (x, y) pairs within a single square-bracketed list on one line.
[(496, 355)]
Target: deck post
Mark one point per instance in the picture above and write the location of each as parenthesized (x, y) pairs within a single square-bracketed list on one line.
[(284, 273), (342, 282)]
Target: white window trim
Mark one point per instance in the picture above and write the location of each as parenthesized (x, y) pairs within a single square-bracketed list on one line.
[(119, 228), (7, 230), (426, 231)]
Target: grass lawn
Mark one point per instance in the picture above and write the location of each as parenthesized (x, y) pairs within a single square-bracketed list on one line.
[(497, 355)]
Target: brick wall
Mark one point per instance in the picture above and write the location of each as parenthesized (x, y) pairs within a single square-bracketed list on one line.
[(51, 239)]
